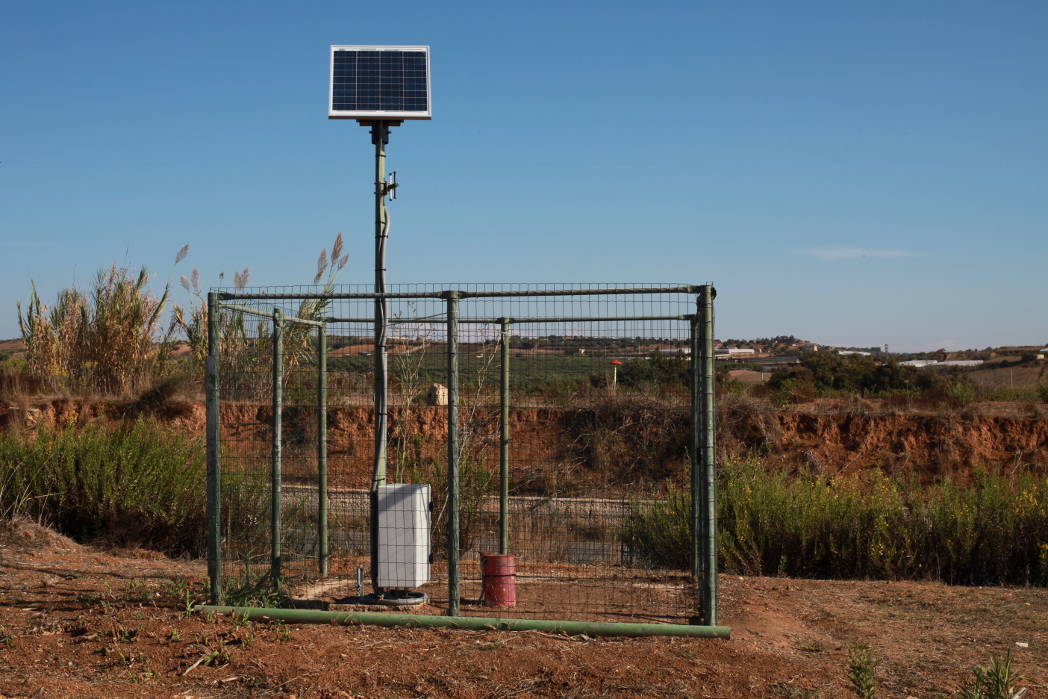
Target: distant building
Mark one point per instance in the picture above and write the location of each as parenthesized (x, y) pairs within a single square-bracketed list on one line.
[(734, 352), (847, 353), (919, 362)]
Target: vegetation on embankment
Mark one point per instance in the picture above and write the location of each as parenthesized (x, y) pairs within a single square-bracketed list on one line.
[(142, 483), (132, 484), (991, 531)]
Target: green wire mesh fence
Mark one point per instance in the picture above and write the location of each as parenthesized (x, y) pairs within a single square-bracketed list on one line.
[(568, 426)]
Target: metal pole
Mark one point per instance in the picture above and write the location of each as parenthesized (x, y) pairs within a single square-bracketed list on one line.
[(214, 466), (278, 408), (380, 137), (504, 445), (453, 466), (322, 466), (709, 480), (695, 447)]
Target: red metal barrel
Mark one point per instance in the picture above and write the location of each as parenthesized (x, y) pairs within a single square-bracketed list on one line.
[(500, 579)]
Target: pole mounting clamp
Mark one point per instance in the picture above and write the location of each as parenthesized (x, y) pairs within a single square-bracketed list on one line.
[(389, 187)]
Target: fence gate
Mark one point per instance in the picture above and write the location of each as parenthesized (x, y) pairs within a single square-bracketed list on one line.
[(565, 433)]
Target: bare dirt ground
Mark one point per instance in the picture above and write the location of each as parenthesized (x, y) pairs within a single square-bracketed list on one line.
[(79, 621)]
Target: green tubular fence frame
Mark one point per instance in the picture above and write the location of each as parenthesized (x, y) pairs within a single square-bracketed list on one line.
[(504, 438), (214, 453), (703, 464), (212, 398), (454, 597), (322, 465), (462, 294), (703, 522), (476, 623), (275, 474)]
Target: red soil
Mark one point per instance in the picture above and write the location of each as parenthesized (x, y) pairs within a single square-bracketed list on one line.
[(76, 621)]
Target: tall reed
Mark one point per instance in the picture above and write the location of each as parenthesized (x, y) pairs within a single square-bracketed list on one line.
[(104, 342), (246, 343)]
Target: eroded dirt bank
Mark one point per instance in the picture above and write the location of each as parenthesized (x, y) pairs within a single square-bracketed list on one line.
[(621, 442)]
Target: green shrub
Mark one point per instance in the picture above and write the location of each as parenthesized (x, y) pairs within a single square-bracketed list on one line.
[(994, 681), (961, 393), (862, 671), (659, 530), (796, 389), (991, 531), (832, 374), (140, 483), (655, 371)]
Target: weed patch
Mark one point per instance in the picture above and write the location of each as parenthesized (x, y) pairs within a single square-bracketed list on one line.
[(126, 484), (772, 522)]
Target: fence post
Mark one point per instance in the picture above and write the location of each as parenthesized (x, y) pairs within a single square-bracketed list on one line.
[(278, 408), (708, 455), (453, 456), (322, 466), (504, 444), (695, 447), (214, 470)]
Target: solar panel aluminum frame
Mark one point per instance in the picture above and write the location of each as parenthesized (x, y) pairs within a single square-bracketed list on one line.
[(380, 115)]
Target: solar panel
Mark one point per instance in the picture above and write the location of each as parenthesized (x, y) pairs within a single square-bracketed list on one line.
[(379, 82)]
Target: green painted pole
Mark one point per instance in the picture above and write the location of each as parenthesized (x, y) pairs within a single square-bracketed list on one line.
[(695, 447), (380, 137), (477, 623), (708, 451), (453, 455), (504, 444), (214, 466), (322, 465), (278, 409)]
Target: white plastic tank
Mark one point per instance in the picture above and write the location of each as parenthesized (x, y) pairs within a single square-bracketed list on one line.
[(403, 535)]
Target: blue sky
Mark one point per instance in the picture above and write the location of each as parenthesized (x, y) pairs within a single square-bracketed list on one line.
[(851, 173)]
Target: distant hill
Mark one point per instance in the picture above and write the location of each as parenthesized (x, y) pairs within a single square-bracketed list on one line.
[(11, 347)]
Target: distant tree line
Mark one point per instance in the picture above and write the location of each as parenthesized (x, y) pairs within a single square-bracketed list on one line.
[(827, 373)]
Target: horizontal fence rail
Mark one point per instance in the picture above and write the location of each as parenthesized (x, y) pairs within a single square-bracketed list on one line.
[(335, 293)]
